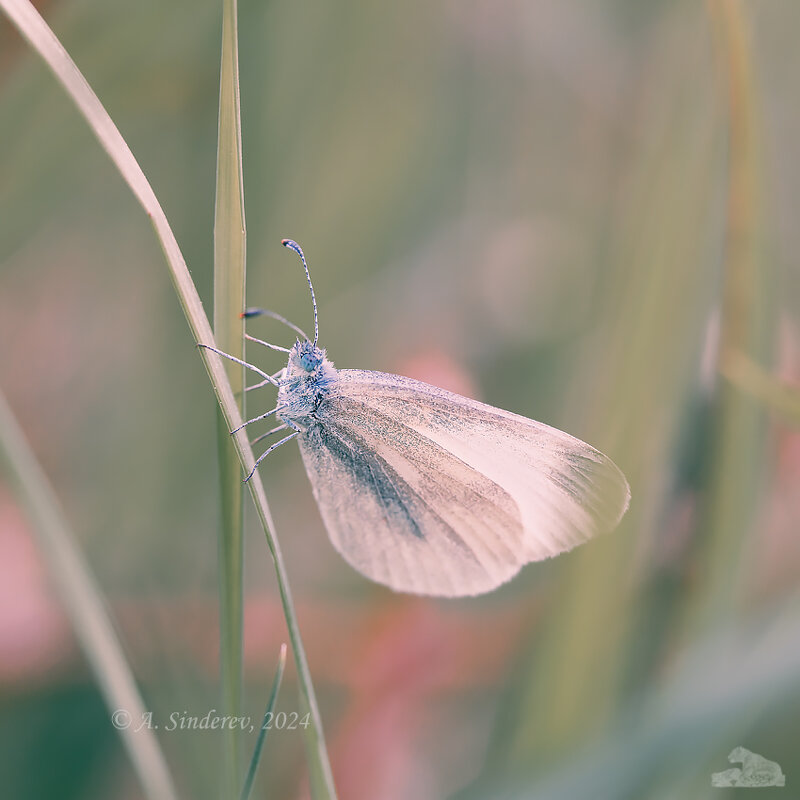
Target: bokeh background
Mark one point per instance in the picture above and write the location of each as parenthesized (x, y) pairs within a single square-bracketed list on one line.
[(585, 213)]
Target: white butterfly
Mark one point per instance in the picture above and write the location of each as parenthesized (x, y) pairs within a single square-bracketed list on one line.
[(429, 492)]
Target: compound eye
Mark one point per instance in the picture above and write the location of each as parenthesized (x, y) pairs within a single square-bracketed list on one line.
[(310, 361)]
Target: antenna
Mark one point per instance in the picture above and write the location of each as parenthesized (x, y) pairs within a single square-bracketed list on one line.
[(292, 245), (265, 312)]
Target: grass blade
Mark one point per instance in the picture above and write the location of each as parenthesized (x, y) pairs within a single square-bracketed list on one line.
[(46, 44), (774, 394), (262, 734), (83, 604), (583, 654), (666, 743), (739, 420), (229, 300)]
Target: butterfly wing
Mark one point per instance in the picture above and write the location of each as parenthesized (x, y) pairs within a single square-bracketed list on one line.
[(433, 493)]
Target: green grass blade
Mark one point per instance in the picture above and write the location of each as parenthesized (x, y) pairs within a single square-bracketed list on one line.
[(668, 742), (737, 447), (83, 604), (229, 297), (576, 669), (776, 395), (262, 734), (44, 42)]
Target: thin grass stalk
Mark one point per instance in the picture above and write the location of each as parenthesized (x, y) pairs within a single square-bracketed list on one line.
[(84, 605), (230, 240), (739, 422), (579, 662), (749, 377), (262, 733), (36, 31)]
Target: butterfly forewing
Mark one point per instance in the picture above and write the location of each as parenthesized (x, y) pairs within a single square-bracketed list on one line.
[(406, 513), (432, 493)]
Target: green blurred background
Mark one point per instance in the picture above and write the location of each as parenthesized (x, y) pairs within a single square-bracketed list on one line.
[(573, 211)]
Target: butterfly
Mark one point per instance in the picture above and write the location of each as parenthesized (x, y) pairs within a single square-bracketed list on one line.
[(426, 491)]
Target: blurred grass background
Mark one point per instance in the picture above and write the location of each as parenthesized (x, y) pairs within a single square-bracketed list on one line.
[(543, 205)]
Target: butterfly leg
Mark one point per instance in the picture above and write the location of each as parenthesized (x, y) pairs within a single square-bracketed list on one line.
[(258, 385), (239, 361), (269, 433), (268, 451), (256, 419)]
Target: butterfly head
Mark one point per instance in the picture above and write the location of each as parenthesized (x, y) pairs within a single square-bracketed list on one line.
[(309, 365), (306, 356), (308, 377)]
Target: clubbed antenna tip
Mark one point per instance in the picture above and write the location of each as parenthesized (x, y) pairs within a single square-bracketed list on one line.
[(292, 245)]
